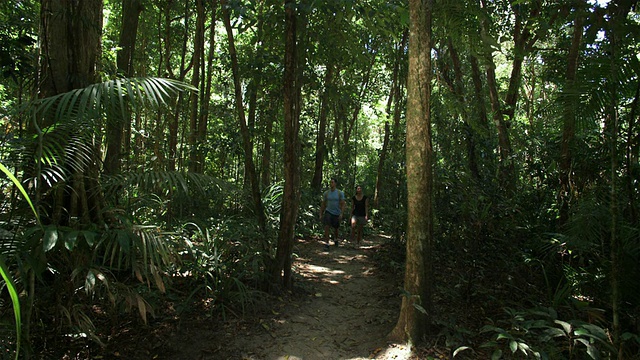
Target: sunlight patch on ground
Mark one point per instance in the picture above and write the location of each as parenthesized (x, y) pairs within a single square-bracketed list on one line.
[(349, 258), (395, 352), (321, 273), (323, 270)]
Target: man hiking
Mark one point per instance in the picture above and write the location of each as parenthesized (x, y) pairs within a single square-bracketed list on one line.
[(331, 211)]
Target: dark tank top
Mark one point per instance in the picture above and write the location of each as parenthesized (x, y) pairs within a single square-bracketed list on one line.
[(360, 209)]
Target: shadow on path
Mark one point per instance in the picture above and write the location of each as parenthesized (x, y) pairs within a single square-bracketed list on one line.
[(342, 308)]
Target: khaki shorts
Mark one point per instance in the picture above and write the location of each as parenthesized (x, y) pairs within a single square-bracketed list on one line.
[(331, 220)]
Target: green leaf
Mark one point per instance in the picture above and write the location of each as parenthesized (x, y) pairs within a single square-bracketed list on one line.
[(21, 189), (524, 348), (460, 349), (630, 336), (50, 238), (13, 293), (420, 308), (555, 332), (596, 331), (70, 240), (488, 328), (90, 282), (496, 355), (591, 350), (513, 346), (581, 331), (124, 240), (565, 325), (89, 237)]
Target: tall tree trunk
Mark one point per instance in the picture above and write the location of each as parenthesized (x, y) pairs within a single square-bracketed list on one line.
[(413, 323), (316, 181), (244, 130), (479, 100), (349, 123), (503, 115), (198, 56), (281, 275), (381, 162), (70, 47), (457, 88), (115, 128), (631, 158), (206, 91), (612, 136), (266, 152), (571, 101), (395, 99), (175, 157), (618, 12), (504, 144)]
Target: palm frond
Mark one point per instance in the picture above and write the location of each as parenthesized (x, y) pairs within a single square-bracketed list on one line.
[(170, 181), (18, 185), (142, 249), (91, 102), (66, 123), (13, 293)]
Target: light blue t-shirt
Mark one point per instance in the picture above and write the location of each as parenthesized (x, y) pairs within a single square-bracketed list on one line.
[(333, 199)]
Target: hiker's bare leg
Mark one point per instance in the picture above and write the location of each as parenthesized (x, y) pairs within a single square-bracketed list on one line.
[(326, 235), (353, 228)]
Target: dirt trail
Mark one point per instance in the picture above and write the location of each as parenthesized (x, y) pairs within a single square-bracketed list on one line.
[(342, 309)]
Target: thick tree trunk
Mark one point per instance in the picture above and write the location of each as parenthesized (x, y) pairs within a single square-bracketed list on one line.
[(244, 130), (413, 323), (70, 47), (281, 274)]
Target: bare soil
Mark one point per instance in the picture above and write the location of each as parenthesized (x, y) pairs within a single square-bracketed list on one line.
[(342, 307)]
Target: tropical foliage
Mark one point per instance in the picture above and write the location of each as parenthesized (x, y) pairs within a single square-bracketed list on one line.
[(135, 188)]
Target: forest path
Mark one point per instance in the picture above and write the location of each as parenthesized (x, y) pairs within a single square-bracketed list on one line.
[(342, 308)]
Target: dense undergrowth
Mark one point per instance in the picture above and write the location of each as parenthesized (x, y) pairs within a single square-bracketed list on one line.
[(505, 288)]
